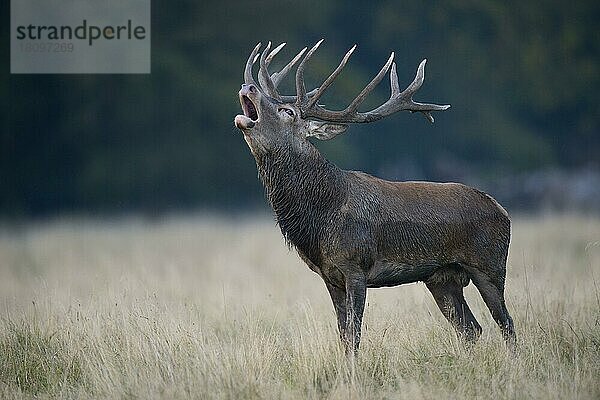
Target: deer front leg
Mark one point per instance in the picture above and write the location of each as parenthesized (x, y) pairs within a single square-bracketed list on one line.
[(356, 293), (338, 298)]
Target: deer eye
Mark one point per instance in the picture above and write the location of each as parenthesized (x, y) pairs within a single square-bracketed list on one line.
[(288, 111)]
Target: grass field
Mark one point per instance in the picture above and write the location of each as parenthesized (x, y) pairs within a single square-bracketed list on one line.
[(207, 307)]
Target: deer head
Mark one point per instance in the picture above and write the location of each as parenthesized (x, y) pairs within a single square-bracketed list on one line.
[(272, 119)]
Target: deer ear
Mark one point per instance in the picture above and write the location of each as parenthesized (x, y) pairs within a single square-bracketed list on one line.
[(325, 130)]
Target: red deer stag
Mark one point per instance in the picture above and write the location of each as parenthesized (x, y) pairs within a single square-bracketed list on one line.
[(358, 231)]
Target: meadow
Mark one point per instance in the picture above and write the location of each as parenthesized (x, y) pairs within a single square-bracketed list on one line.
[(218, 307)]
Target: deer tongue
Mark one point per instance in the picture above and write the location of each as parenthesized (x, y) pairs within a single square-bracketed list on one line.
[(243, 122)]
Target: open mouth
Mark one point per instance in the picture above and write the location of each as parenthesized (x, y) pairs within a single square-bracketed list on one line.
[(249, 108)]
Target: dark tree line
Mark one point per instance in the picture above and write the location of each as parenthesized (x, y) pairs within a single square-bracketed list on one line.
[(522, 78)]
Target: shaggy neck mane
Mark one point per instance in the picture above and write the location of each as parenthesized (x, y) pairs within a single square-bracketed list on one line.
[(304, 189)]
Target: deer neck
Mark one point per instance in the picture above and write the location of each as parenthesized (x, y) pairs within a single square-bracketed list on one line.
[(304, 189)]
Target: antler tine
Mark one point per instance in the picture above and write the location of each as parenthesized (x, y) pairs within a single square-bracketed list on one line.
[(273, 53), (404, 101), (369, 88), (300, 88), (278, 76), (330, 79), (248, 78), (417, 82), (263, 74), (394, 81)]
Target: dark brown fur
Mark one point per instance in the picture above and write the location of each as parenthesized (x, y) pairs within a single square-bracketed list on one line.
[(391, 233), (358, 231)]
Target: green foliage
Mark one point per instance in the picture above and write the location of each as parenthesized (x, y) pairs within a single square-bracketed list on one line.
[(522, 78)]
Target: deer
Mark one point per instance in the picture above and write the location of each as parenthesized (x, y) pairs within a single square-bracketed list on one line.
[(357, 231)]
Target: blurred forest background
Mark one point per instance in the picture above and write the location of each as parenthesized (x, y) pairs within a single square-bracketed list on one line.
[(522, 78)]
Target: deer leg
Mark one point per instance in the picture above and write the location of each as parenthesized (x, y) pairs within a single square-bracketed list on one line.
[(449, 297), (492, 292), (338, 298), (356, 293)]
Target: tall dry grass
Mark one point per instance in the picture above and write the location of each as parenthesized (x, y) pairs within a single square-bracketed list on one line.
[(205, 307)]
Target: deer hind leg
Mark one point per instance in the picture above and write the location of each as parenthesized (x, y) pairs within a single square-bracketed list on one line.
[(446, 286), (491, 288)]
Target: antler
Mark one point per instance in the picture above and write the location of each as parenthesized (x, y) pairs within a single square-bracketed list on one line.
[(308, 102), (398, 101), (269, 83)]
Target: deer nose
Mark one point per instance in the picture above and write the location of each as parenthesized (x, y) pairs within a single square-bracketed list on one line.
[(248, 88)]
